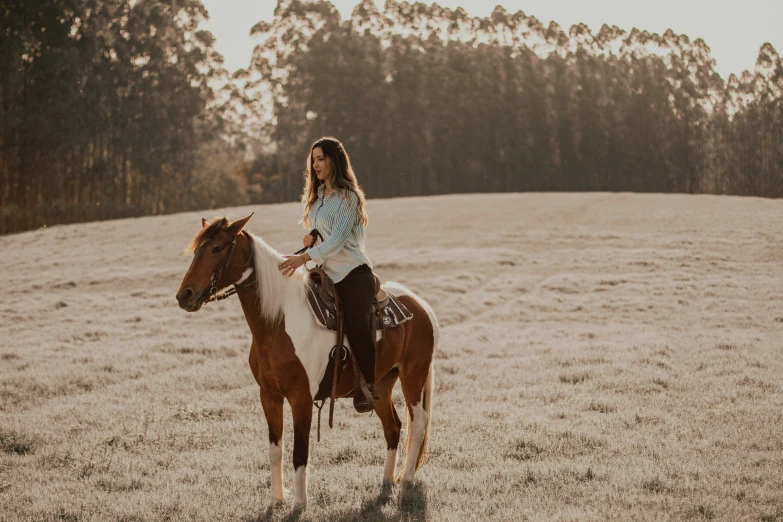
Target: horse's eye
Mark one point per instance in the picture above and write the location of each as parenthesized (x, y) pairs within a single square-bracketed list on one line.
[(217, 250)]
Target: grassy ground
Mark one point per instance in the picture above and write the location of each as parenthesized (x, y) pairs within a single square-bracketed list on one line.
[(603, 356)]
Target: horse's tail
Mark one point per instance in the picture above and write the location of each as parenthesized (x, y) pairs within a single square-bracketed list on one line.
[(429, 391)]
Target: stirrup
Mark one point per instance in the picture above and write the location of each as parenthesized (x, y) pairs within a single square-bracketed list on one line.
[(364, 401)]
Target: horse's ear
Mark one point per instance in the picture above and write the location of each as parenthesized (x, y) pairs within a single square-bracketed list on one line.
[(204, 223), (237, 226)]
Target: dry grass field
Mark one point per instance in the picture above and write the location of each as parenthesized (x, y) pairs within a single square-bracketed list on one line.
[(602, 357)]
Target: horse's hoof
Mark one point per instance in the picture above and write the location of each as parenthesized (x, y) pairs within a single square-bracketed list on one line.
[(386, 490), (299, 506), (275, 502)]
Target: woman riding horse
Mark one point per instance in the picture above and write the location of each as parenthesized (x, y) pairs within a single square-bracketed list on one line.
[(290, 351), (334, 205)]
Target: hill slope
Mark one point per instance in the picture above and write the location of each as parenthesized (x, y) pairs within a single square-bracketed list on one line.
[(602, 356)]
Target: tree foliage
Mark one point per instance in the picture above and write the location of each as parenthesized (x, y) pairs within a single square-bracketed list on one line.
[(103, 110), (430, 100), (107, 109)]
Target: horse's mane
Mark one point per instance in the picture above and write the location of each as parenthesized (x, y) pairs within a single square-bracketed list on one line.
[(274, 289)]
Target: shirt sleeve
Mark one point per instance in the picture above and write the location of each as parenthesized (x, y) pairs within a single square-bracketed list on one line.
[(344, 223)]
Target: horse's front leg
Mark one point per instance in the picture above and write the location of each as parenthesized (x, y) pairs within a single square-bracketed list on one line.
[(273, 411), (302, 413)]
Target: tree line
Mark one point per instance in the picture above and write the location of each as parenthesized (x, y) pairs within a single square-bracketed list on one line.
[(430, 100), (105, 111), (110, 109)]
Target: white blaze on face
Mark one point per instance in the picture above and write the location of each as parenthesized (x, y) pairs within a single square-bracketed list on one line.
[(417, 427), (300, 487), (276, 466), (390, 465)]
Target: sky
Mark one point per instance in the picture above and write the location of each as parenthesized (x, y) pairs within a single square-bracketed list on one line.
[(734, 31)]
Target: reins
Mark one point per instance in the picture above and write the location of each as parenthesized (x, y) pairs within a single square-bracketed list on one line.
[(315, 235), (213, 289)]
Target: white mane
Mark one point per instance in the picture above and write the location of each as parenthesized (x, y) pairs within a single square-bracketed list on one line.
[(274, 289)]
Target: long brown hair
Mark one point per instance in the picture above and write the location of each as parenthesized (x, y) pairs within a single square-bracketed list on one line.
[(343, 177)]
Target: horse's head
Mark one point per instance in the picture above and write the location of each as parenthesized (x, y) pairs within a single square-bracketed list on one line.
[(217, 261)]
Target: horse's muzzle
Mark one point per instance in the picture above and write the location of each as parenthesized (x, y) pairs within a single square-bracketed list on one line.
[(190, 301)]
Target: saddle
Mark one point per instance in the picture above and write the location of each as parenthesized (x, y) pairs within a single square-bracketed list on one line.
[(387, 313)]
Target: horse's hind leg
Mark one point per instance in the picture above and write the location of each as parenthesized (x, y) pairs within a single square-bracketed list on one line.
[(417, 386), (273, 411), (384, 407)]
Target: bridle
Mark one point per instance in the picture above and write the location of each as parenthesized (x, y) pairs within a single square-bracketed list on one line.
[(213, 289)]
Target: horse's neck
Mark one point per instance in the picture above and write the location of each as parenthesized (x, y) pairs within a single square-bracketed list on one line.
[(259, 327), (282, 293)]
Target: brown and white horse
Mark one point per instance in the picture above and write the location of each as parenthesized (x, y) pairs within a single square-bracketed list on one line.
[(290, 352)]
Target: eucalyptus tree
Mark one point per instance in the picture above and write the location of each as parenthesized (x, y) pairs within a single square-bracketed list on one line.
[(102, 108)]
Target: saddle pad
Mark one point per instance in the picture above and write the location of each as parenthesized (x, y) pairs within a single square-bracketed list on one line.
[(322, 306), (391, 315)]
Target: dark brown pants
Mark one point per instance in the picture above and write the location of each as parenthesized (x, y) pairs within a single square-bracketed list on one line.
[(356, 293)]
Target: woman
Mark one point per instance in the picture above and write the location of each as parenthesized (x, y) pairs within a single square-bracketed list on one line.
[(334, 205)]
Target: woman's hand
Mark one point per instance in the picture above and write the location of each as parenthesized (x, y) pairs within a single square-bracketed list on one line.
[(308, 240), (291, 263)]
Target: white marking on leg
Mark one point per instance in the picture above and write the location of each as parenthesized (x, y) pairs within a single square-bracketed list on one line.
[(390, 465), (300, 487), (276, 465), (417, 426), (378, 335)]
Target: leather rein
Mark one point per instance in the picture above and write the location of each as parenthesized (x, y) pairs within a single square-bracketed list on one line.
[(315, 235)]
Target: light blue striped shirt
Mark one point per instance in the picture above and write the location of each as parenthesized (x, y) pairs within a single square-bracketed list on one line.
[(337, 219)]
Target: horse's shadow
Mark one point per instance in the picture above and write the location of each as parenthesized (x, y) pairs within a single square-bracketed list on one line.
[(410, 503)]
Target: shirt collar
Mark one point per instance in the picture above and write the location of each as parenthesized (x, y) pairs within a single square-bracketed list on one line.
[(321, 188)]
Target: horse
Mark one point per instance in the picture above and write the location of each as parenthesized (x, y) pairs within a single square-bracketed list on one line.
[(290, 352)]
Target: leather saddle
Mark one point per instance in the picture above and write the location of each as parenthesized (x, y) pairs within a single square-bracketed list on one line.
[(387, 312)]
